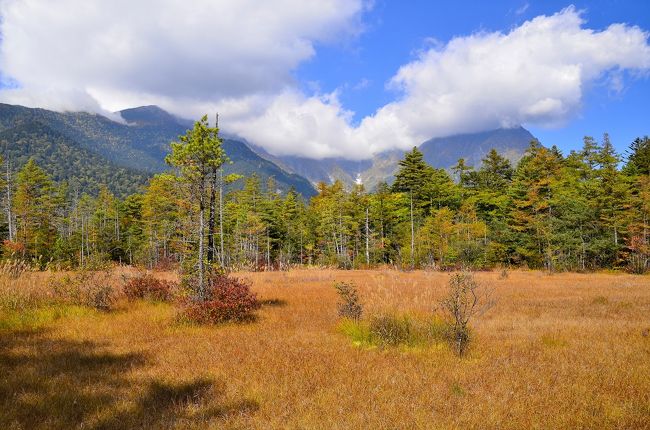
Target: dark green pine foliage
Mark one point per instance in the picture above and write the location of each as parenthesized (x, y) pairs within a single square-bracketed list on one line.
[(495, 173), (638, 161), (413, 177), (428, 187)]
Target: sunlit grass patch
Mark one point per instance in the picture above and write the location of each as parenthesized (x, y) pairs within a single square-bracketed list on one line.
[(389, 330), (553, 340), (358, 332), (35, 318)]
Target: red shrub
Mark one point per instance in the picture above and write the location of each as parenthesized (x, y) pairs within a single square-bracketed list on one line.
[(148, 287), (227, 300), (11, 248)]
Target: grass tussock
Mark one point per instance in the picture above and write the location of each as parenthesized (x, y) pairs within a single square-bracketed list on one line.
[(390, 330)]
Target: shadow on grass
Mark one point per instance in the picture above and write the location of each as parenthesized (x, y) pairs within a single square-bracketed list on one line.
[(279, 303), (165, 405), (48, 383)]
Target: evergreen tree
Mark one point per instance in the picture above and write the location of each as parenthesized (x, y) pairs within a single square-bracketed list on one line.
[(495, 173), (413, 177), (197, 155), (638, 161), (34, 208)]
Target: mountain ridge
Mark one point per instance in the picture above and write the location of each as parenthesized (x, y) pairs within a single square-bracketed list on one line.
[(441, 152), (139, 144)]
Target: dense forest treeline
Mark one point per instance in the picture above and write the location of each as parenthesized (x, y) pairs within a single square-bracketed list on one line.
[(587, 210)]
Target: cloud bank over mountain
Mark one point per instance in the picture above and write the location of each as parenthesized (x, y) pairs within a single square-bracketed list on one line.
[(239, 58)]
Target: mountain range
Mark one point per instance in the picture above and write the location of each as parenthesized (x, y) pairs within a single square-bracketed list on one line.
[(442, 153), (88, 149)]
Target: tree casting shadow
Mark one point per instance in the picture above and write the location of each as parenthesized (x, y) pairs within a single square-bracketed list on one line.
[(48, 383)]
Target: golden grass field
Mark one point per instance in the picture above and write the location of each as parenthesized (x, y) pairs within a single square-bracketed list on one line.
[(562, 351)]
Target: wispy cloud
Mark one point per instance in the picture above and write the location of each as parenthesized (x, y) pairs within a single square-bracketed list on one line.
[(522, 10)]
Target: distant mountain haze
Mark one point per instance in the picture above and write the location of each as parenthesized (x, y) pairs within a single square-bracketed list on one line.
[(89, 149), (442, 152)]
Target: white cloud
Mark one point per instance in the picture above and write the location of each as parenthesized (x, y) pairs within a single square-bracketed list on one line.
[(535, 74), (204, 50), (238, 58)]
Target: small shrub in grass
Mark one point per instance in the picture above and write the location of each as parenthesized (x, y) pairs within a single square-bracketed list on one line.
[(600, 300), (150, 288), (101, 296), (392, 330), (466, 299), (85, 288), (349, 306), (227, 299)]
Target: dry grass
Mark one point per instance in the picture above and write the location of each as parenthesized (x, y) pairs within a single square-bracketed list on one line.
[(561, 351)]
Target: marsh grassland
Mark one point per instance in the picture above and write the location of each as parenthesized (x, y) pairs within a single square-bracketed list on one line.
[(555, 351)]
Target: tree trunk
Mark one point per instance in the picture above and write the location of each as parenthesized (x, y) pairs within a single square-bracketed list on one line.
[(201, 290), (268, 250), (211, 217), (10, 215), (221, 249), (412, 234), (367, 239)]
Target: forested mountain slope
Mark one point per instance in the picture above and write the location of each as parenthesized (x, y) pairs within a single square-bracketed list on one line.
[(121, 154), (65, 160)]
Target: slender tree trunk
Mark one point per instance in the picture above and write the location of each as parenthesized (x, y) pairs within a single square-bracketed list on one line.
[(412, 234), (115, 224), (211, 218), (367, 239), (201, 291), (221, 248), (645, 242), (268, 250), (584, 250), (381, 226), (10, 215), (81, 256)]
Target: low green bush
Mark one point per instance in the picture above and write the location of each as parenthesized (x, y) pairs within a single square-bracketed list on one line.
[(389, 330)]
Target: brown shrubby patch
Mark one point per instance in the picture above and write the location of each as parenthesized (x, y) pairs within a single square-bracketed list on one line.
[(150, 288), (227, 299)]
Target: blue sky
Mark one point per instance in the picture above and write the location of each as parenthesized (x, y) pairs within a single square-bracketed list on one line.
[(346, 78), (396, 30)]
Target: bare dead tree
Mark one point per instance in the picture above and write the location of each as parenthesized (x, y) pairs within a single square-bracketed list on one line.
[(466, 299)]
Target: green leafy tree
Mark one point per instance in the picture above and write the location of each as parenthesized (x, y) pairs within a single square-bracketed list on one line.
[(34, 208), (196, 155)]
